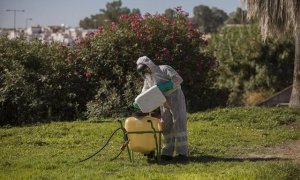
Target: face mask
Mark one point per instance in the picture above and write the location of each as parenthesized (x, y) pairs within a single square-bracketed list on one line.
[(147, 75)]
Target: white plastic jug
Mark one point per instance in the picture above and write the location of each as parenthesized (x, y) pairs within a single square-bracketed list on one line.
[(150, 99)]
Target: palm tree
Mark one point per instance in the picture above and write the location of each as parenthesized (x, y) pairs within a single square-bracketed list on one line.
[(280, 17)]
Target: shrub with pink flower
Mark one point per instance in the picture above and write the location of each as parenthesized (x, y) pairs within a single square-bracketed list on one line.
[(111, 54)]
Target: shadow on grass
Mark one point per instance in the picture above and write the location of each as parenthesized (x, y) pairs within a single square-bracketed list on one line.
[(208, 159), (212, 159)]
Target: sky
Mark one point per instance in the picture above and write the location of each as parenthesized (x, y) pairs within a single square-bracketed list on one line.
[(70, 12)]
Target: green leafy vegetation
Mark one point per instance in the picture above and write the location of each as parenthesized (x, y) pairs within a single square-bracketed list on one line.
[(205, 18), (97, 75), (111, 14), (219, 142), (111, 53), (208, 19), (39, 84), (249, 68)]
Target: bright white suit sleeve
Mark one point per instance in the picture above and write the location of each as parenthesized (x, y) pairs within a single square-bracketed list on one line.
[(146, 86)]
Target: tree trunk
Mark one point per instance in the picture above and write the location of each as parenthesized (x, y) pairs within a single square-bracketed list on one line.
[(295, 96)]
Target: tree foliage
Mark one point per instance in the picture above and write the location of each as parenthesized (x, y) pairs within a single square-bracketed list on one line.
[(274, 17), (208, 19), (247, 64), (111, 14), (170, 13), (279, 18), (238, 17)]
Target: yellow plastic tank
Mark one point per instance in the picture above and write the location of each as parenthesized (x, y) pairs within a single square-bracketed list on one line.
[(142, 142)]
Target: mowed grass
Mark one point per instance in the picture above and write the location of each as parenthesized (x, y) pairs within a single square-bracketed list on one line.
[(219, 141)]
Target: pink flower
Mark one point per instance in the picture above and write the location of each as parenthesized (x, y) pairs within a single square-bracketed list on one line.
[(134, 25), (88, 73), (100, 29), (190, 24), (124, 17), (90, 34), (113, 25)]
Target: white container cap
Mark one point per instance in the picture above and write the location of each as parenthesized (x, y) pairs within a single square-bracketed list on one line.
[(150, 99)]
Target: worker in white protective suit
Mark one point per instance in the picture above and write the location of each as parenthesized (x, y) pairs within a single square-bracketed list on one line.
[(173, 111)]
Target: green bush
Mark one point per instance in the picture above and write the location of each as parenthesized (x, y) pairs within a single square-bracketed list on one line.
[(110, 56), (37, 84), (247, 64), (97, 76)]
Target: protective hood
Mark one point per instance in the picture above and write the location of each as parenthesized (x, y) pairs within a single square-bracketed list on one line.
[(147, 61), (156, 72)]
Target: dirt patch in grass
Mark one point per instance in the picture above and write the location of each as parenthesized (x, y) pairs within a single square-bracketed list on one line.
[(289, 150)]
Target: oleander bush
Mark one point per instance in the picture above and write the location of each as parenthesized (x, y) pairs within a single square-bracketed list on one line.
[(112, 51), (97, 75)]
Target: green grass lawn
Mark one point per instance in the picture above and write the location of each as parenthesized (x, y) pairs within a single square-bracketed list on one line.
[(218, 143)]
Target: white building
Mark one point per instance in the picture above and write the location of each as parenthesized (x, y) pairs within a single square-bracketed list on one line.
[(34, 30), (62, 34), (13, 35)]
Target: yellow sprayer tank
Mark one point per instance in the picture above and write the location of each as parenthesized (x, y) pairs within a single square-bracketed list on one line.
[(142, 142)]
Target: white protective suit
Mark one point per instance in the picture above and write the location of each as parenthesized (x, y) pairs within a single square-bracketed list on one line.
[(173, 112)]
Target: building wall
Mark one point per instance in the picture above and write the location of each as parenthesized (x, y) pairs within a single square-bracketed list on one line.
[(280, 98)]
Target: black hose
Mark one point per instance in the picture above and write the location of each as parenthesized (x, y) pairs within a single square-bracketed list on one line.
[(101, 147)]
